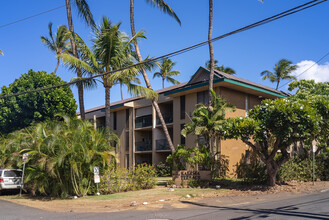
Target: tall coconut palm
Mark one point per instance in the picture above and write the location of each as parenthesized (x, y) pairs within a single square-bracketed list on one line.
[(164, 7), (85, 13), (112, 50), (166, 72), (57, 43), (211, 51), (281, 71), (227, 70)]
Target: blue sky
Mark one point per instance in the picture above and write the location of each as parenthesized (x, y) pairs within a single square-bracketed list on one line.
[(301, 38)]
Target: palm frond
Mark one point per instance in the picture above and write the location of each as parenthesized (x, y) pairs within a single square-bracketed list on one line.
[(85, 13), (142, 91), (164, 7)]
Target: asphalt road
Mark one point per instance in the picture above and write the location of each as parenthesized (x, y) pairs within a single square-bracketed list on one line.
[(312, 206)]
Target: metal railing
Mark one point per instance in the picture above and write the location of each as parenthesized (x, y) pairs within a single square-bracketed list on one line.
[(144, 145), (162, 144), (143, 121)]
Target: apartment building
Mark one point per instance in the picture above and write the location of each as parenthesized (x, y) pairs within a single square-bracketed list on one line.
[(135, 121)]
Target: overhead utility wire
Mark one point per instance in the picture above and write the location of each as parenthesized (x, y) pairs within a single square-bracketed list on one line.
[(267, 20), (32, 16), (308, 68)]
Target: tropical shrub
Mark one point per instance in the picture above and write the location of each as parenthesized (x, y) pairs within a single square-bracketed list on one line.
[(62, 155), (253, 171), (118, 179), (163, 169), (296, 169)]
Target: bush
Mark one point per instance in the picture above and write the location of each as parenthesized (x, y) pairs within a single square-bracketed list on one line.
[(322, 161), (252, 172), (193, 183), (121, 180), (301, 169), (163, 169), (296, 169)]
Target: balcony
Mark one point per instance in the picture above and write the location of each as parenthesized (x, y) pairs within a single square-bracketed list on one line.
[(143, 121), (145, 145), (168, 118), (162, 144)]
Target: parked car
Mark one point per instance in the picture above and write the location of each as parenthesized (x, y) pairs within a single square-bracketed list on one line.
[(10, 179)]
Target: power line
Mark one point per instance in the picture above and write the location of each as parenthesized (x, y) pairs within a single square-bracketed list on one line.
[(32, 16), (187, 49), (308, 68)]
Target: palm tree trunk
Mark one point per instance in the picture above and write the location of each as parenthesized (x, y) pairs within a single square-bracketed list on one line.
[(163, 82), (211, 51), (147, 81), (107, 107), (277, 85), (75, 54), (58, 61), (121, 91)]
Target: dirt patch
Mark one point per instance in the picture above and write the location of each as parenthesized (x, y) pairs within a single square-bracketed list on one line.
[(161, 197)]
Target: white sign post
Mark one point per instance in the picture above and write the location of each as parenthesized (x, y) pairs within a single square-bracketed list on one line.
[(314, 149), (25, 158), (97, 179)]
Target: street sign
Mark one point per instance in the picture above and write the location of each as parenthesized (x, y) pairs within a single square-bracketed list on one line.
[(25, 157), (96, 170), (97, 179)]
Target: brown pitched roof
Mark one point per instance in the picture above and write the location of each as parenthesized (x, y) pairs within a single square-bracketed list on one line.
[(160, 91)]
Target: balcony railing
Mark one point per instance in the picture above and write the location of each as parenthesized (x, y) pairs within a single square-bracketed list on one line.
[(168, 118), (144, 145), (162, 144), (143, 121)]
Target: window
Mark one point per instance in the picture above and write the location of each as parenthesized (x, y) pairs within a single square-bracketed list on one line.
[(203, 97), (182, 107), (114, 120), (12, 173), (182, 138)]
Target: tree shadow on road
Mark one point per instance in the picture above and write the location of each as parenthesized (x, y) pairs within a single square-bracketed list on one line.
[(288, 211)]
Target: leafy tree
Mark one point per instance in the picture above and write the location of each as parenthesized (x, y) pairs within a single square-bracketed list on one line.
[(112, 50), (272, 127), (317, 95), (57, 43), (166, 72), (208, 121), (309, 88), (85, 13), (164, 7), (62, 155), (21, 111), (281, 71), (227, 70)]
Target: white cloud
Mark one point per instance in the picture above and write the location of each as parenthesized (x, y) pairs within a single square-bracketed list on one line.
[(311, 70)]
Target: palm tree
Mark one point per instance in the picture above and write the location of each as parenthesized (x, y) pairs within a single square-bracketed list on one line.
[(166, 72), (227, 70), (164, 7), (281, 71), (85, 13), (57, 44), (208, 121), (112, 50), (211, 51)]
